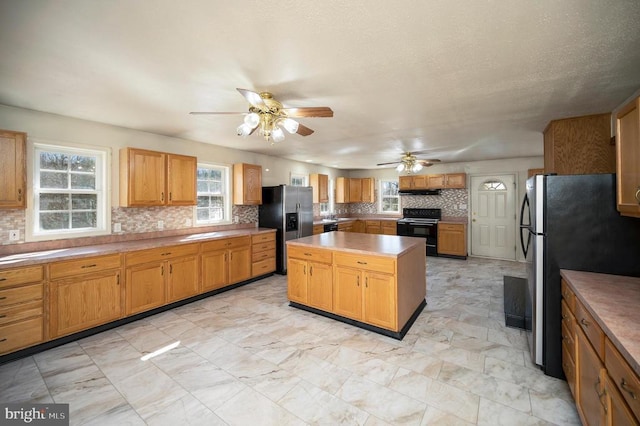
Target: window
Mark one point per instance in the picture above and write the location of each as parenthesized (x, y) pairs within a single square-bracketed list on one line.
[(389, 198), (493, 185), (70, 193), (214, 203), (298, 180)]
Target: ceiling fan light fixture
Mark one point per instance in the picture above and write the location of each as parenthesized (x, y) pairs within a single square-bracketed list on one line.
[(277, 134), (252, 120), (290, 125), (244, 130), (400, 167), (416, 167)]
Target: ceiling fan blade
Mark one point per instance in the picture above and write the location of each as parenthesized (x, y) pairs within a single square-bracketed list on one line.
[(308, 112), (215, 113), (385, 164), (304, 130), (253, 98)]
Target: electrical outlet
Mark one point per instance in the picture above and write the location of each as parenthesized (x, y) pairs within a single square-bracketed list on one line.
[(14, 235), (462, 206), (117, 227), (160, 225)]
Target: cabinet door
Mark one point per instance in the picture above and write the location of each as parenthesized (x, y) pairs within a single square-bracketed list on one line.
[(617, 412), (239, 264), (342, 190), (214, 270), (452, 239), (590, 385), (320, 185), (247, 184), (379, 300), (145, 287), (368, 190), (405, 182), (181, 180), (456, 180), (420, 182), (628, 158), (84, 302), (12, 169), (355, 190), (183, 278), (297, 280), (347, 292), (320, 286), (435, 181), (142, 178)]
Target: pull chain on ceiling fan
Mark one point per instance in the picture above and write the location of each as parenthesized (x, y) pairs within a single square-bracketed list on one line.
[(410, 163), (269, 117)]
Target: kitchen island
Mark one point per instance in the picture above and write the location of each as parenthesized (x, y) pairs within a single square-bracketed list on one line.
[(376, 282)]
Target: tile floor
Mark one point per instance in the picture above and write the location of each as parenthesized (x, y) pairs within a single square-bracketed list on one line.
[(246, 358)]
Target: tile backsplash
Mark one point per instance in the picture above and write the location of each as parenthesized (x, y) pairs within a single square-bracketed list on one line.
[(449, 200)]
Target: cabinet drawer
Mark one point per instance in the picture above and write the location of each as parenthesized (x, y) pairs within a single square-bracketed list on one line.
[(567, 316), (307, 253), (370, 263), (624, 377), (591, 329), (11, 277), (20, 334), (226, 243), (83, 266), (569, 368), (568, 341), (11, 296), (19, 312), (263, 238), (256, 248), (263, 267), (568, 296), (255, 257), (372, 223), (451, 227), (160, 253), (389, 224)]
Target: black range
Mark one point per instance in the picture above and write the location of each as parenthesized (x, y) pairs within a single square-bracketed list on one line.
[(423, 223)]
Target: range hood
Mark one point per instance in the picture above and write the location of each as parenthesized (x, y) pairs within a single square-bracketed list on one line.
[(419, 192)]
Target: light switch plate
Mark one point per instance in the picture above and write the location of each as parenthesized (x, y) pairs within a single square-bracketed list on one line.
[(160, 225), (117, 227)]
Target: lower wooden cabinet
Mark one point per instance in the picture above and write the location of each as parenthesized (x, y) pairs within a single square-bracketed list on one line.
[(310, 277), (225, 262), (372, 227), (263, 254), (21, 308), (389, 227), (590, 373), (159, 276), (452, 239), (617, 412)]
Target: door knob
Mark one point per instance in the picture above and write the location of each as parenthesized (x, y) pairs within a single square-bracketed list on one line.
[(473, 220)]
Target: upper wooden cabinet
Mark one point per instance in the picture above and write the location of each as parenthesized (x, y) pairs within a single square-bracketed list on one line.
[(320, 185), (628, 158), (342, 190), (436, 181), (355, 190), (579, 145), (247, 184), (151, 178), (12, 169), (368, 190)]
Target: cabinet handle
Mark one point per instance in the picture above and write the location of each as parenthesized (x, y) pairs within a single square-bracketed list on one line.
[(564, 317), (20, 194), (638, 195), (230, 256), (366, 282), (307, 254), (225, 257), (166, 254), (584, 322), (171, 268), (162, 270), (3, 297), (361, 263), (358, 282), (162, 196), (3, 340), (3, 316), (93, 265), (625, 386), (118, 279), (311, 270), (170, 196), (3, 279)]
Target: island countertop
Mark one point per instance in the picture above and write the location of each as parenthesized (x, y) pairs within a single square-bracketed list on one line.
[(383, 245)]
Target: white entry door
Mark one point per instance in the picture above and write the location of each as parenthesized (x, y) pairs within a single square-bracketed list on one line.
[(493, 216)]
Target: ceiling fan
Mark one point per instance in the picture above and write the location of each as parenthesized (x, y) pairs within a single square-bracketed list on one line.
[(410, 163), (268, 116)]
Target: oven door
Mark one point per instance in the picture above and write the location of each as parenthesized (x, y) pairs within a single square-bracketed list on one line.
[(428, 231)]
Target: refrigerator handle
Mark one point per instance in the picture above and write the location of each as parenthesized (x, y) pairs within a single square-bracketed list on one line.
[(525, 205), (298, 234)]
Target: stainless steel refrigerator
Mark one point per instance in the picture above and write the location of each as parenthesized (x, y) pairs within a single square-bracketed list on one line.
[(569, 222), (288, 209)]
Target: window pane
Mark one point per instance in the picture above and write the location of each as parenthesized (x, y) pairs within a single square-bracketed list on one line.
[(84, 202), (203, 186), (217, 202), (54, 180), (53, 161), (203, 201), (203, 214), (82, 163), (215, 187), (83, 220), (83, 181), (51, 221), (216, 213), (54, 202)]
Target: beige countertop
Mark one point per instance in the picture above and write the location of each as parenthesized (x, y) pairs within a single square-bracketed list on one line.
[(383, 245), (454, 219), (319, 221), (44, 256), (614, 302)]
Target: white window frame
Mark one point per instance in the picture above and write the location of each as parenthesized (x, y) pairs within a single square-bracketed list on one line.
[(226, 194), (294, 176), (382, 197), (328, 207), (102, 190)]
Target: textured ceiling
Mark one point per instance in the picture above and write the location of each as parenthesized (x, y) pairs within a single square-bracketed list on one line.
[(463, 81)]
